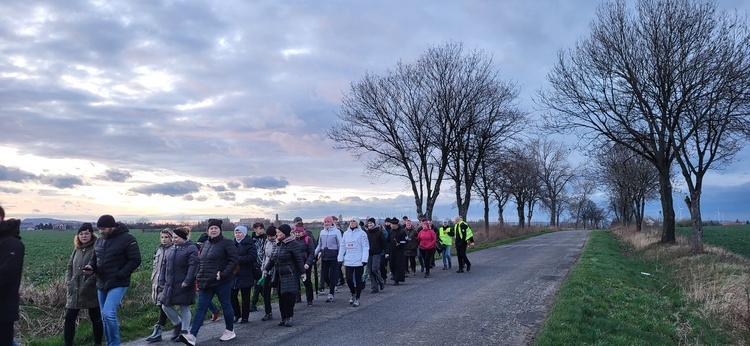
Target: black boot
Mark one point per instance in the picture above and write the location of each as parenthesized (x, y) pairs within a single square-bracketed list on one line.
[(176, 332), (156, 335)]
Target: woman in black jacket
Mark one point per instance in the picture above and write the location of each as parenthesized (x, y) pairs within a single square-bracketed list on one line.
[(177, 277), (287, 269), (216, 264), (244, 280)]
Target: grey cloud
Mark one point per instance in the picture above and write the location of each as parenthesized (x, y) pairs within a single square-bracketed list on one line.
[(265, 182), (233, 185), (116, 175), (177, 188), (227, 196), (61, 181), (201, 198), (188, 198), (12, 190), (15, 175), (218, 188)]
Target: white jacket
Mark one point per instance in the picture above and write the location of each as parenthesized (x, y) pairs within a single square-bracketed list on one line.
[(355, 248)]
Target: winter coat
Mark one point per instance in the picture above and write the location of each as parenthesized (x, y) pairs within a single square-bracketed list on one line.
[(445, 235), (427, 239), (267, 253), (464, 235), (397, 241), (307, 249), (217, 255), (12, 251), (115, 259), (260, 245), (355, 248), (158, 264), (329, 243), (287, 259), (412, 243), (180, 266), (81, 288), (247, 258), (376, 238)]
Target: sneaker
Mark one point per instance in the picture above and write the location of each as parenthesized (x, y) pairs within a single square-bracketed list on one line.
[(468, 268), (267, 317), (336, 289), (214, 316), (288, 322), (356, 303), (330, 298), (445, 267), (243, 321), (351, 300), (282, 323), (460, 271), (382, 286), (187, 339), (228, 335)]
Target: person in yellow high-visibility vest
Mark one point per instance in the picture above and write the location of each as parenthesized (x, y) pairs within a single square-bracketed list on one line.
[(464, 237)]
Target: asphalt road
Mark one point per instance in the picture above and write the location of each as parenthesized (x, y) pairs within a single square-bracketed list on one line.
[(502, 301)]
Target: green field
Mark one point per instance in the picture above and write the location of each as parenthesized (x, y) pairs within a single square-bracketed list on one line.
[(733, 238)]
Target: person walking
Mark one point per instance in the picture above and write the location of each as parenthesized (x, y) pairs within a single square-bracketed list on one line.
[(245, 278), (165, 242), (445, 234), (177, 277), (411, 248), (329, 241), (259, 237), (377, 242), (464, 237), (427, 241), (81, 288), (116, 257), (353, 253), (307, 249), (216, 263), (287, 269), (12, 252), (268, 249), (396, 246)]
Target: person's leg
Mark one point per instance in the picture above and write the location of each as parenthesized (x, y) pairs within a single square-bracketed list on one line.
[(69, 328), (204, 299), (185, 316), (283, 302), (460, 253), (334, 276), (172, 314), (6, 333), (383, 268), (358, 274), (97, 327), (350, 279), (267, 296), (257, 289), (308, 285), (235, 302), (245, 293), (420, 256), (111, 303), (162, 316), (447, 254), (222, 292), (427, 255), (325, 274)]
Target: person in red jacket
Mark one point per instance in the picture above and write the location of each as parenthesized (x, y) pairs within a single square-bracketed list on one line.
[(427, 242)]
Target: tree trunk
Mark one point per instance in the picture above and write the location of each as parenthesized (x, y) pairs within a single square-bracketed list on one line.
[(667, 206), (520, 210), (500, 217), (552, 214), (697, 221)]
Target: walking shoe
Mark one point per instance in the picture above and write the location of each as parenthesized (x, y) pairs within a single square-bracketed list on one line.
[(214, 316), (253, 308), (228, 335), (289, 322), (382, 286), (336, 289), (267, 317), (356, 303), (468, 268), (309, 303), (415, 273), (330, 298), (460, 270), (156, 335), (450, 265), (445, 267), (176, 331), (282, 323), (243, 321), (351, 300), (374, 290), (322, 291), (236, 319), (187, 339), (426, 275)]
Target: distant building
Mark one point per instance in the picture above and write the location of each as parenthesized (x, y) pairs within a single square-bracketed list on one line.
[(248, 222), (27, 225)]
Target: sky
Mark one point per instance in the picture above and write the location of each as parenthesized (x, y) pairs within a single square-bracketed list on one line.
[(185, 110)]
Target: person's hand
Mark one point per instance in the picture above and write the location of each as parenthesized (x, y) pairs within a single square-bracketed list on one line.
[(340, 262), (387, 255), (364, 264), (218, 276), (88, 270), (184, 285), (307, 266), (471, 244), (303, 277)]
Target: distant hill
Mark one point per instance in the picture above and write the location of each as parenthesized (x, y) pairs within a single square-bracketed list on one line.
[(39, 220)]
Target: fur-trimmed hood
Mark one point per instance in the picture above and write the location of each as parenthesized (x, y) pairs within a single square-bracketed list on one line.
[(78, 245)]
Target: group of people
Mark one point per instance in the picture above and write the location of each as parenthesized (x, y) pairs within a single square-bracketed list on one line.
[(250, 266)]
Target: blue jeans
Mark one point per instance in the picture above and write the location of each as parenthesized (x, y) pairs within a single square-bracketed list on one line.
[(446, 255), (109, 302), (223, 292)]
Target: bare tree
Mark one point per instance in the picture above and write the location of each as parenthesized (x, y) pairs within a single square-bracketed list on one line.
[(640, 77), (582, 189), (522, 179), (555, 173)]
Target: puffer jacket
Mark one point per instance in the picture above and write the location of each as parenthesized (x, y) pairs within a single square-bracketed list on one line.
[(355, 248), (158, 264), (307, 249), (81, 292), (412, 243), (287, 259), (377, 240), (115, 259), (12, 252), (181, 263), (329, 242), (247, 257), (217, 255)]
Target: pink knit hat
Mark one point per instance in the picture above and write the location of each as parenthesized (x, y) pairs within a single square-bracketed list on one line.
[(328, 219)]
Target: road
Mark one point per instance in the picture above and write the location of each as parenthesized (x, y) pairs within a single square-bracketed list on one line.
[(502, 301)]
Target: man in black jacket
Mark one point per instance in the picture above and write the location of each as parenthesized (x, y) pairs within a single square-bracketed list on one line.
[(377, 245), (116, 257), (11, 266)]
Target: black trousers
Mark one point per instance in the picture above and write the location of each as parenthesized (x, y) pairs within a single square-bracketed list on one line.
[(257, 290), (267, 296), (69, 330), (411, 261), (243, 312), (427, 255), (308, 285), (461, 253), (6, 334), (398, 266), (384, 268), (286, 304), (329, 271), (354, 280)]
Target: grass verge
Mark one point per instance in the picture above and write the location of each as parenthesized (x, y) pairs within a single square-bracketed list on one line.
[(618, 294)]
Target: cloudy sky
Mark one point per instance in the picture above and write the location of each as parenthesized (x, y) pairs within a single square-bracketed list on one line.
[(183, 110)]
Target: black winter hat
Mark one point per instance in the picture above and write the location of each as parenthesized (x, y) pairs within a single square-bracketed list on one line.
[(180, 232), (286, 229), (86, 227), (394, 221), (372, 219), (106, 221), (214, 222), (297, 219), (271, 231), (203, 238)]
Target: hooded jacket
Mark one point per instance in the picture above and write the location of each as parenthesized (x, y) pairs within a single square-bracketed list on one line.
[(354, 250), (377, 240), (329, 243), (247, 258), (158, 263), (217, 255), (287, 259), (181, 263), (115, 259), (81, 288)]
